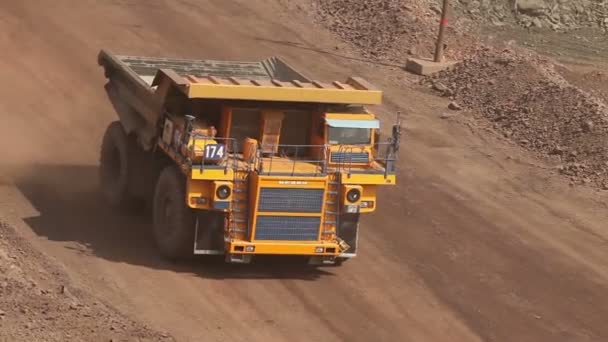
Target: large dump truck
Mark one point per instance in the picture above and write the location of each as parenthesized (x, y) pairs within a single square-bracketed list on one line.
[(244, 158)]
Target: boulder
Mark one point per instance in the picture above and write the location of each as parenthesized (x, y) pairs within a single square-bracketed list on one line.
[(531, 7)]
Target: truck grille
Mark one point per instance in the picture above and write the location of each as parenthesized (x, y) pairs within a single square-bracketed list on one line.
[(287, 228), (291, 200), (350, 157)]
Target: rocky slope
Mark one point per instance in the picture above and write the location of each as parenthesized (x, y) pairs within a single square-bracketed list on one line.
[(388, 30), (555, 14), (529, 102), (39, 303), (391, 30)]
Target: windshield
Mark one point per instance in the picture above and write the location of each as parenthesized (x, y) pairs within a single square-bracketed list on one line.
[(349, 136)]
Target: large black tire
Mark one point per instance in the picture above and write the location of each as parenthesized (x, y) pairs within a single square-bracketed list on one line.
[(173, 220), (118, 166)]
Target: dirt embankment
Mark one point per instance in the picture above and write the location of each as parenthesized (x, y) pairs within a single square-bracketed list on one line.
[(39, 303), (530, 103)]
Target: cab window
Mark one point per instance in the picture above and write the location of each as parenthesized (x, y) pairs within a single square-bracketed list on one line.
[(349, 136), (246, 123)]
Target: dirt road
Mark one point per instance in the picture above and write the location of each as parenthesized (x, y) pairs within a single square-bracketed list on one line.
[(477, 243)]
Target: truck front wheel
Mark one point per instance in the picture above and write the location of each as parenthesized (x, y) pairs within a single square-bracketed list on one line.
[(173, 221)]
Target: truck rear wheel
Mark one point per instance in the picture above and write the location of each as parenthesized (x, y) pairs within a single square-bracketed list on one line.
[(173, 220), (117, 166)]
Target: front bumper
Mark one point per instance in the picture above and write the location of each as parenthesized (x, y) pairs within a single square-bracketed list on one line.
[(284, 248)]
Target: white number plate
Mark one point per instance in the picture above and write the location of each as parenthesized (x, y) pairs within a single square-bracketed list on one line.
[(215, 151)]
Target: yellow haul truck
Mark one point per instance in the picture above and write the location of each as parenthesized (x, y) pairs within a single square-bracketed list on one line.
[(244, 158)]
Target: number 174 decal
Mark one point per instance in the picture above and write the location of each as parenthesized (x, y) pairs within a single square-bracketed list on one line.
[(215, 151)]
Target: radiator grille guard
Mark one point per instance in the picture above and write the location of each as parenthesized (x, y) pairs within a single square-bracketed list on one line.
[(291, 200), (287, 228), (350, 157)]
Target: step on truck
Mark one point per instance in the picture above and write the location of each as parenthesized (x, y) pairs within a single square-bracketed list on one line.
[(244, 158)]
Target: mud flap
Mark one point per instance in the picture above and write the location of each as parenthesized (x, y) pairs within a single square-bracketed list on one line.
[(209, 233), (348, 231)]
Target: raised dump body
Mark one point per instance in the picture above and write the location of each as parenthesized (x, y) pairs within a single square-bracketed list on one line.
[(244, 158), (272, 68)]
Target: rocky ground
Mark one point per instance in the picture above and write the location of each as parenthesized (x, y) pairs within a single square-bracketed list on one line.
[(391, 29), (593, 81), (530, 103), (388, 30), (559, 15), (39, 303)]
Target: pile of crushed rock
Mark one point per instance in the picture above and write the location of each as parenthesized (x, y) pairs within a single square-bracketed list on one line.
[(387, 30), (526, 100)]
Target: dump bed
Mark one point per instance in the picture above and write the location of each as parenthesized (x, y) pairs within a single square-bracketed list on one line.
[(273, 68), (139, 86), (268, 80)]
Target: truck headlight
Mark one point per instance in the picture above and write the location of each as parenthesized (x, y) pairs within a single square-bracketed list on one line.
[(353, 195), (223, 192)]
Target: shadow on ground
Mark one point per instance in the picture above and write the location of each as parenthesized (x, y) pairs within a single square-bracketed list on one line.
[(72, 210)]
